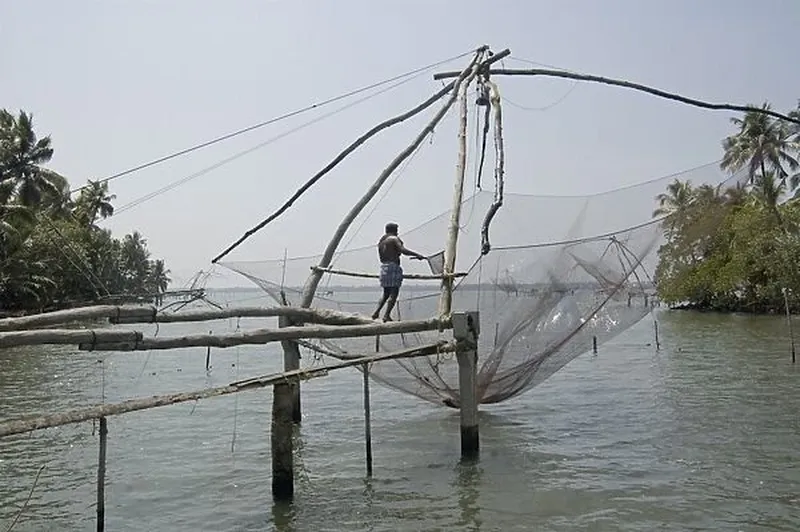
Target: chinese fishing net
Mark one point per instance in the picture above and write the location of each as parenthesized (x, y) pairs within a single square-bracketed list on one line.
[(544, 290)]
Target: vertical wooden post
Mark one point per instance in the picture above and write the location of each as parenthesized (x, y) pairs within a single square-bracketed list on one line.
[(281, 440), (101, 477), (789, 323), (208, 356), (594, 344), (466, 328), (291, 362), (655, 330), (367, 420), (446, 300)]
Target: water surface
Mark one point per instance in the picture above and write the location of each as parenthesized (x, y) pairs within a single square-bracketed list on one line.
[(701, 435)]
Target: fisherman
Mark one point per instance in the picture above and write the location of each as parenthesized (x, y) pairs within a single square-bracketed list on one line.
[(390, 247)]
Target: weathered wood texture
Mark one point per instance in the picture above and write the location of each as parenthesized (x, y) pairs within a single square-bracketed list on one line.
[(281, 440), (101, 476), (628, 85), (150, 314), (69, 336), (466, 328), (118, 340), (112, 409), (291, 362), (453, 229)]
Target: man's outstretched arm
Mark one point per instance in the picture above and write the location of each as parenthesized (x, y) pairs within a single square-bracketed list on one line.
[(405, 251)]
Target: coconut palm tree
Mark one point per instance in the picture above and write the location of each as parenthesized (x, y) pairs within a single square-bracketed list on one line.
[(767, 191), (762, 143), (158, 279), (677, 198), (94, 201), (21, 157)]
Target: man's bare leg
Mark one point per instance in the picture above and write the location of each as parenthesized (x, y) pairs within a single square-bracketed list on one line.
[(390, 304), (381, 303)]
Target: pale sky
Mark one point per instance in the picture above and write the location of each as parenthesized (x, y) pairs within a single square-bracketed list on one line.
[(117, 84)]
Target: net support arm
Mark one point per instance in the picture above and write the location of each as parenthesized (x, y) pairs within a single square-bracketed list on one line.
[(628, 85), (336, 160), (315, 277)]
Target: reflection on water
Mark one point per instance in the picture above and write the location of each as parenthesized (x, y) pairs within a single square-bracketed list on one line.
[(700, 435)]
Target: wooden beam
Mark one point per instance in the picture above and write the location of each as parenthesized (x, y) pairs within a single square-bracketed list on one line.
[(150, 314), (60, 317), (30, 424), (68, 337), (307, 315), (412, 276), (115, 340), (628, 85), (261, 336)]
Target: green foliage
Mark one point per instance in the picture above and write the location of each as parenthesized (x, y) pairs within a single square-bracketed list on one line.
[(736, 249), (52, 254)]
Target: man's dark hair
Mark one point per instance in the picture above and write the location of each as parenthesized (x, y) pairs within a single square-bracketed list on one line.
[(391, 228)]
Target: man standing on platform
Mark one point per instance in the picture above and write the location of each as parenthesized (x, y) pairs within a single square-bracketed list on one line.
[(390, 247)]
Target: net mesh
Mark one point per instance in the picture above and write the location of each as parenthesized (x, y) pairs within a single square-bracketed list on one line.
[(562, 271)]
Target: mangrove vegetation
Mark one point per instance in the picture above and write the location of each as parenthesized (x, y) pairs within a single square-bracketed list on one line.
[(736, 247)]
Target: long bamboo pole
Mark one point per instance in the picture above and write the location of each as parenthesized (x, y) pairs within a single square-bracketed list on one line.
[(264, 336), (446, 298), (411, 276), (29, 424), (109, 339), (628, 85), (339, 158), (150, 314), (313, 281)]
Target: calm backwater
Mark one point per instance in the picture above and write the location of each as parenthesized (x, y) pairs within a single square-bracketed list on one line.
[(702, 435)]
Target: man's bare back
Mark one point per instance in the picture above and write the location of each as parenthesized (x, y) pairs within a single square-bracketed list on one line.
[(390, 247)]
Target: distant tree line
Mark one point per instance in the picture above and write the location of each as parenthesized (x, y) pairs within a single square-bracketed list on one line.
[(737, 248), (52, 253)]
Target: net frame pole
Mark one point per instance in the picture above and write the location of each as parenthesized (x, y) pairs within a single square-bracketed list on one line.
[(446, 299)]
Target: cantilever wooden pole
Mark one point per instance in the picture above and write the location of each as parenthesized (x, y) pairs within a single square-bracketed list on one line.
[(628, 85), (336, 160), (315, 277)]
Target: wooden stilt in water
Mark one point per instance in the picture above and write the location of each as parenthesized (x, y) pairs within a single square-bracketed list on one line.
[(466, 330), (789, 323), (367, 420), (208, 355), (655, 331), (594, 344), (281, 439), (101, 477), (291, 362)]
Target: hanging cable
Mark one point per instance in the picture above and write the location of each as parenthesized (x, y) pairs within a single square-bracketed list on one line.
[(184, 180), (272, 121)]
